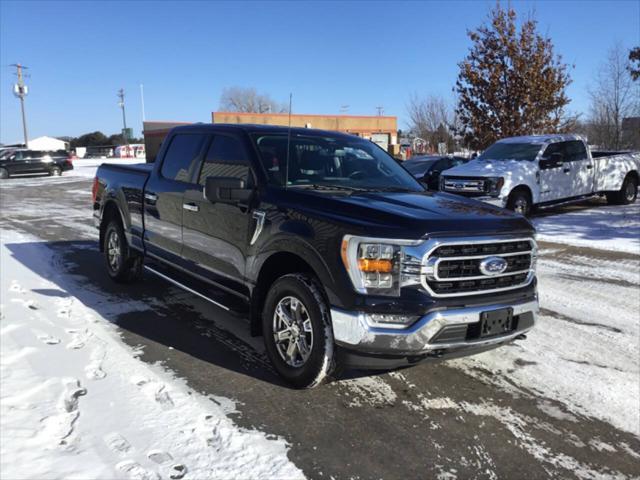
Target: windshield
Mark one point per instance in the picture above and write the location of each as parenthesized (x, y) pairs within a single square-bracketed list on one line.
[(511, 151), (322, 161)]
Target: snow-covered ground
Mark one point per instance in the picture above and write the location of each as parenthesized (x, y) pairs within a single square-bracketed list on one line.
[(607, 227), (77, 403)]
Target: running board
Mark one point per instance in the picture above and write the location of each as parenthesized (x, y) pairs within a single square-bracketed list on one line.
[(184, 287)]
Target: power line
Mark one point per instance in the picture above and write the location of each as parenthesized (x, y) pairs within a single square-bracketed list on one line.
[(20, 90)]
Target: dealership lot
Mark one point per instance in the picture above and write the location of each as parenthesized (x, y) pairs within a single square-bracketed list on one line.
[(561, 403)]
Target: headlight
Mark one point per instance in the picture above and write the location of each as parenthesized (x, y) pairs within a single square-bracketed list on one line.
[(493, 185), (374, 264)]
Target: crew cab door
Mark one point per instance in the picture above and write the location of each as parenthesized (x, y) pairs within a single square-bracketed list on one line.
[(163, 196), (556, 173), (581, 166), (216, 235), (17, 163)]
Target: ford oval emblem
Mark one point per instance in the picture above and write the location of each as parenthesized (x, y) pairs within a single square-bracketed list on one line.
[(493, 266)]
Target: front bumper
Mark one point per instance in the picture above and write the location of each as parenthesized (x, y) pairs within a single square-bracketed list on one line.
[(429, 333), (497, 201)]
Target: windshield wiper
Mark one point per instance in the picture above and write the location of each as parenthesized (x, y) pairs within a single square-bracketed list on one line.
[(317, 186)]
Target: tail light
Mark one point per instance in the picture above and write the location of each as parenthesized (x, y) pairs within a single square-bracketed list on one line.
[(94, 189)]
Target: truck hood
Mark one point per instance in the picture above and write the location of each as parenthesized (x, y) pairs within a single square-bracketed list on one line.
[(492, 168), (409, 215)]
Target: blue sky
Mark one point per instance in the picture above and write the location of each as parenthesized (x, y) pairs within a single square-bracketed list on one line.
[(328, 54)]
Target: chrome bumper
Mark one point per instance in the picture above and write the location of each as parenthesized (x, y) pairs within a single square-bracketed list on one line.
[(351, 330)]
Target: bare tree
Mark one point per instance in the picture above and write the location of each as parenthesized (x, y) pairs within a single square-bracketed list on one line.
[(432, 119), (613, 98), (634, 63), (248, 100)]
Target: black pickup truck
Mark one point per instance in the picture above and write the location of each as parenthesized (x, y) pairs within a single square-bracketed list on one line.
[(331, 249)]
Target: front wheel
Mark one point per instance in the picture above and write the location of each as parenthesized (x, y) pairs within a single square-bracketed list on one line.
[(4, 173), (297, 331), (55, 172), (627, 194), (520, 202)]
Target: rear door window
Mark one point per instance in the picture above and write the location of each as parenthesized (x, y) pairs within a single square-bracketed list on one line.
[(181, 156), (226, 157)]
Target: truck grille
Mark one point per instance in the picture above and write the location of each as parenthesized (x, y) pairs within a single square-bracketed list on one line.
[(464, 185), (455, 269)]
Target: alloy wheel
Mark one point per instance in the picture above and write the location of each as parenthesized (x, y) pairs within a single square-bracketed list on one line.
[(114, 253), (292, 331)]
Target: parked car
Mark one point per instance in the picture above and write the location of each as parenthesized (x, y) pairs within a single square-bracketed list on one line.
[(334, 252), (522, 173), (427, 168), (23, 161)]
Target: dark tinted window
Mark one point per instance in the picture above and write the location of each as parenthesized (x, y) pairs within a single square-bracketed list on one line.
[(558, 147), (575, 151), (180, 156), (225, 158), (418, 167)]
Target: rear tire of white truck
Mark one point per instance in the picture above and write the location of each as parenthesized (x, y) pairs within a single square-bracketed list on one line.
[(298, 336), (627, 193), (123, 265)]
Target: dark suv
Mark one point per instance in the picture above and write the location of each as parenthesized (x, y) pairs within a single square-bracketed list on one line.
[(332, 251), (22, 161)]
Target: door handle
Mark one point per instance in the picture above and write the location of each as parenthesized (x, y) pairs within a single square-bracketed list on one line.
[(152, 197), (192, 207), (566, 170), (589, 167)]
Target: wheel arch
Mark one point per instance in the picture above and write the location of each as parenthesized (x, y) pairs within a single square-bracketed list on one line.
[(275, 266), (109, 212)]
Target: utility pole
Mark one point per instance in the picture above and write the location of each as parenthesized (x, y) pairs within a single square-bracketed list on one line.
[(380, 110), (124, 118), (20, 90)]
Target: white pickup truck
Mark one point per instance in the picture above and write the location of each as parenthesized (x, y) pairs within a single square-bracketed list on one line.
[(521, 173)]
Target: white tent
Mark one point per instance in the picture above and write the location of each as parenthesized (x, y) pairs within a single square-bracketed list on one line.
[(47, 144)]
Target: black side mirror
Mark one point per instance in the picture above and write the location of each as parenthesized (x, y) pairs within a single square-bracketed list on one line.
[(554, 160), (226, 190)]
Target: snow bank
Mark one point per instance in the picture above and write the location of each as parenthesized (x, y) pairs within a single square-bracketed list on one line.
[(77, 403), (606, 227)]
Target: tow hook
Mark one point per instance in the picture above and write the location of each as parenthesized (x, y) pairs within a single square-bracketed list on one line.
[(522, 336)]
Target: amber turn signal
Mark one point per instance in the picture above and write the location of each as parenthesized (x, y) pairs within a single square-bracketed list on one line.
[(369, 265)]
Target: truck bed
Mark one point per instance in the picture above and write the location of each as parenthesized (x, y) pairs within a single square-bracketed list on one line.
[(126, 183)]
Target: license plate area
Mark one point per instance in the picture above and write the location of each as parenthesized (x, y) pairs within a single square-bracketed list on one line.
[(496, 322)]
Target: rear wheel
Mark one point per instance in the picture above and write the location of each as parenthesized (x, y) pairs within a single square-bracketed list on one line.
[(123, 265), (55, 172), (627, 194), (520, 202), (4, 173), (297, 331)]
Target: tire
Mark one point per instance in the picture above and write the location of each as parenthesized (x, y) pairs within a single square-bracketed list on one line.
[(123, 265), (55, 172), (627, 193), (4, 173), (519, 202), (299, 297)]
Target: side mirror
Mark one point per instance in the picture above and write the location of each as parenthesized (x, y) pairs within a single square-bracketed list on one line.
[(226, 190), (554, 160)]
